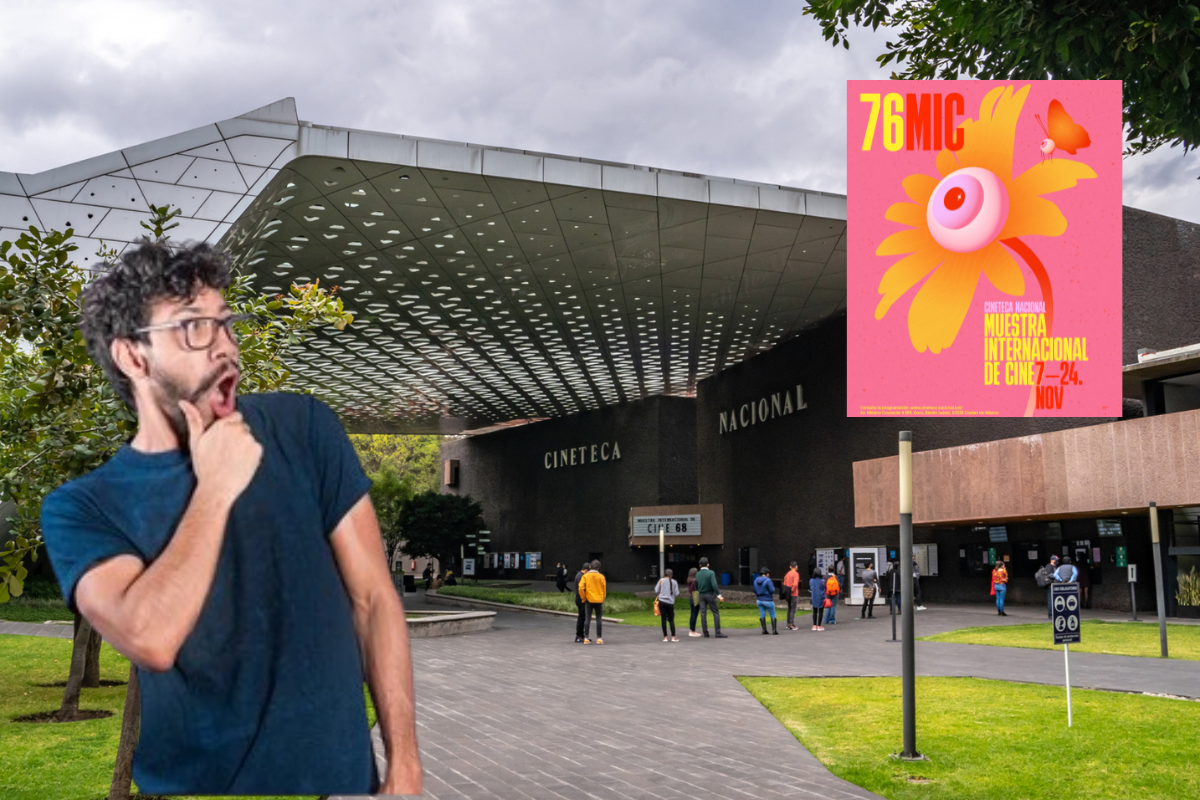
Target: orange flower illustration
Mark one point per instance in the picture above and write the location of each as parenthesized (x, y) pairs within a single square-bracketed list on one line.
[(969, 223)]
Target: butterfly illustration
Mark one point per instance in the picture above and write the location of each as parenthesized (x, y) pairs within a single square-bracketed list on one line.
[(1062, 132)]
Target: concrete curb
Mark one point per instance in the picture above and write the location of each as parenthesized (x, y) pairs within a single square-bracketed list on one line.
[(447, 623), (435, 598)]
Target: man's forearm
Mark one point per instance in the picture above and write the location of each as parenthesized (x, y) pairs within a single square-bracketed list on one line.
[(384, 636), (160, 608)]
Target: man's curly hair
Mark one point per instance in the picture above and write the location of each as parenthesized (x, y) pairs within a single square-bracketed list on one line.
[(118, 302)]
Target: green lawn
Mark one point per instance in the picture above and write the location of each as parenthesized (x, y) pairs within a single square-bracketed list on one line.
[(616, 605), (1114, 638), (68, 761), (992, 739)]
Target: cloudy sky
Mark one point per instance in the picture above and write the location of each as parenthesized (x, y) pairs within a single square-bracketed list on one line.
[(743, 90)]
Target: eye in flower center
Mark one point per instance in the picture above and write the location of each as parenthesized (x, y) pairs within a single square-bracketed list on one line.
[(967, 210)]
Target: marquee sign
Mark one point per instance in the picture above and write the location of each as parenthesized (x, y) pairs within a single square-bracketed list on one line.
[(677, 525)]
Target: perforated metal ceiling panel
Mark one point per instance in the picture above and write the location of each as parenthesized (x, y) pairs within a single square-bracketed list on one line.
[(488, 285)]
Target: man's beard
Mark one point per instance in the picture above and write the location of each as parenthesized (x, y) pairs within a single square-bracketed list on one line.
[(171, 391)]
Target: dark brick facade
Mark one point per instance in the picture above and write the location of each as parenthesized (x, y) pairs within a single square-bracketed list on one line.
[(786, 483)]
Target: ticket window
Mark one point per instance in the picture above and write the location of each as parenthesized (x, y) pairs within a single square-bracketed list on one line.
[(860, 559)]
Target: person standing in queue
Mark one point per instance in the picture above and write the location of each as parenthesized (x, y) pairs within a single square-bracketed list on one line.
[(667, 589), (764, 594), (791, 582), (817, 586), (870, 582), (706, 585), (1050, 569), (832, 590), (579, 604), (594, 589), (693, 601), (1000, 586)]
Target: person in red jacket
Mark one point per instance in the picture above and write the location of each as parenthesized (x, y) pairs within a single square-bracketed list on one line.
[(791, 584)]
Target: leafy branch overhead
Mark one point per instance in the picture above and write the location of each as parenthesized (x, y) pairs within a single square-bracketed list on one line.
[(1151, 46), (60, 416)]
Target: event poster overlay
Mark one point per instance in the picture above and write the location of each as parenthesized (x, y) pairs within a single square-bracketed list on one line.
[(984, 225)]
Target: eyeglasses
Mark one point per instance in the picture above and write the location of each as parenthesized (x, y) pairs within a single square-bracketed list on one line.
[(199, 333)]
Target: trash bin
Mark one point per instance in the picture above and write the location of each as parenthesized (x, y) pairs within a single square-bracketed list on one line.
[(410, 584), (726, 578)]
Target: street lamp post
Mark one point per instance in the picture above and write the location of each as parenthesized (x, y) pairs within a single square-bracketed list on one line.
[(1158, 579), (908, 653)]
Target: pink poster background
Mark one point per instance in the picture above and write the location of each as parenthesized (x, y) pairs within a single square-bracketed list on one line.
[(886, 374)]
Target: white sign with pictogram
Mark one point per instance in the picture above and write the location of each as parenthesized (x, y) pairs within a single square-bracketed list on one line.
[(1064, 614), (1064, 602)]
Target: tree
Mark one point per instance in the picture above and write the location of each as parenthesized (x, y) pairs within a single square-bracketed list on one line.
[(437, 525), (62, 418), (1151, 45), (414, 458), (389, 492)]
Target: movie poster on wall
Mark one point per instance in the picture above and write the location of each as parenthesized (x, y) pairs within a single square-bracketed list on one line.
[(984, 228)]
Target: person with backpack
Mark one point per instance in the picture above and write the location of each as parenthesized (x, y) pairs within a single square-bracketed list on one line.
[(667, 589), (579, 604), (693, 601), (791, 592), (817, 586), (1000, 586), (1045, 577), (764, 595), (832, 590)]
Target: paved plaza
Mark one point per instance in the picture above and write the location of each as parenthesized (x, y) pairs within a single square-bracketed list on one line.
[(521, 712)]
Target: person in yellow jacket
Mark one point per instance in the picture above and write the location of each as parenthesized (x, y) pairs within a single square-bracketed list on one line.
[(593, 588)]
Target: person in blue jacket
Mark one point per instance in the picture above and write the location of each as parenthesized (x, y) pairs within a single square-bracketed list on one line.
[(817, 586), (764, 592)]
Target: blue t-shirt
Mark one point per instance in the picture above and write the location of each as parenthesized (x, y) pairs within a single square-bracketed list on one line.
[(266, 693)]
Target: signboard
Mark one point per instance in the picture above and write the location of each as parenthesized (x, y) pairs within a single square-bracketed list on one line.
[(1121, 557), (984, 248), (468, 567), (1064, 609), (998, 533), (678, 525), (1133, 573), (827, 559), (533, 561), (991, 555), (512, 560)]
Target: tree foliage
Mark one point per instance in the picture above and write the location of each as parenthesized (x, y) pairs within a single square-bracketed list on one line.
[(413, 458), (436, 525), (389, 492), (1151, 45), (60, 416)]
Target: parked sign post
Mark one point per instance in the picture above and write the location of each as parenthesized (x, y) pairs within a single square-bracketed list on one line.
[(1132, 589), (1064, 604)]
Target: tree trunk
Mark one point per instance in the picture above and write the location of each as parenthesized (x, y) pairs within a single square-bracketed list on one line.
[(91, 670), (69, 710), (130, 727)]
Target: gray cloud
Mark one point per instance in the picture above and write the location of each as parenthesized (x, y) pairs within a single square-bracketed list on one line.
[(738, 90)]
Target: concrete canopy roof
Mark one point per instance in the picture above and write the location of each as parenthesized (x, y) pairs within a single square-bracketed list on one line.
[(488, 285)]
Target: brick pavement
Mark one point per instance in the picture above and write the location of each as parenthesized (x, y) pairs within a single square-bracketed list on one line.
[(523, 712)]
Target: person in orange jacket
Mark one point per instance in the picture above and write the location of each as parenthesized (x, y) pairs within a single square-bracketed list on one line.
[(593, 588), (791, 584), (832, 591)]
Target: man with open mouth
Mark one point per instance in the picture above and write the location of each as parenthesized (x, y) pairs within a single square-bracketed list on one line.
[(231, 552)]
